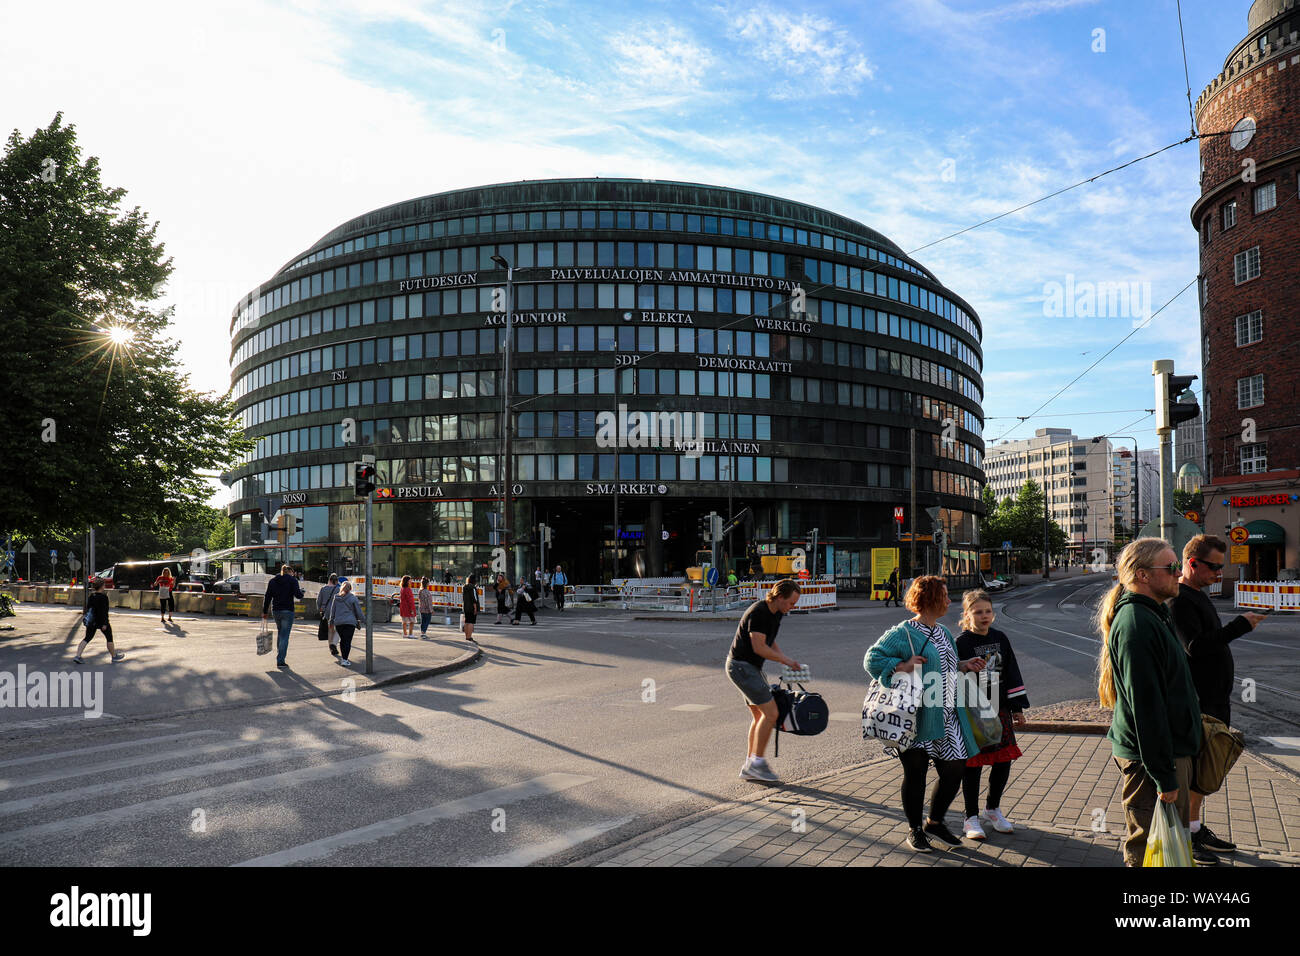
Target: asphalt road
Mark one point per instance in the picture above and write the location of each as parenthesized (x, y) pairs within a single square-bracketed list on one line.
[(564, 738)]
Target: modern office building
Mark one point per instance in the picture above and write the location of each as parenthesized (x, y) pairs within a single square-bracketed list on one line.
[(1148, 485), (1248, 218), (1079, 478), (1124, 479), (678, 349)]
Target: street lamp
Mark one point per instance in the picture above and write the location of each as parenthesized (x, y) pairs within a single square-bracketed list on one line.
[(504, 470)]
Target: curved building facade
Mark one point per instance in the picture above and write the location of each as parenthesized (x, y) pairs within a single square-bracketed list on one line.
[(1248, 217), (677, 349)]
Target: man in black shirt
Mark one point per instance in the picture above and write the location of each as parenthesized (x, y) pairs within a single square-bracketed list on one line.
[(755, 642), (1206, 639), (281, 591)]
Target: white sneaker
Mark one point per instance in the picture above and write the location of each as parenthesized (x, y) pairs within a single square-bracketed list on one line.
[(973, 829), (1000, 823)]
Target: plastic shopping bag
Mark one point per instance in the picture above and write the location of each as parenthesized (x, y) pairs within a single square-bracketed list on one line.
[(264, 639), (1169, 843)]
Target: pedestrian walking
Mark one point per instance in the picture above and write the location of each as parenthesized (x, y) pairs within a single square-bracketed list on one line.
[(524, 604), (281, 591), (943, 732), (325, 630), (96, 619), (893, 589), (1206, 639), (979, 638), (470, 606), (406, 607), (559, 581), (1143, 676), (754, 643), (166, 585), (426, 608), (346, 616), (502, 588)]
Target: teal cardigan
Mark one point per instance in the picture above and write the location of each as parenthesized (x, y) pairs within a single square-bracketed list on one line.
[(891, 650)]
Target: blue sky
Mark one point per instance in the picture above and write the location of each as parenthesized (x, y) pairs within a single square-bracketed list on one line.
[(251, 128)]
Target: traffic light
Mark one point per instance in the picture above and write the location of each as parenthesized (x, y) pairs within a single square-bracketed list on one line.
[(364, 479), (703, 524), (1174, 401), (715, 526), (544, 533)]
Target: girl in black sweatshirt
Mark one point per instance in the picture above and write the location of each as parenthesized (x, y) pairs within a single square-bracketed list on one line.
[(97, 619)]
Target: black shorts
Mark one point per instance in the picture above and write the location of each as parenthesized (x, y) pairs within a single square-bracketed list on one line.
[(106, 628), (471, 615), (167, 604)]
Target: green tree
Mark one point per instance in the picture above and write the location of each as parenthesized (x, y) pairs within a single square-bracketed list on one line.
[(1185, 501), (99, 432)]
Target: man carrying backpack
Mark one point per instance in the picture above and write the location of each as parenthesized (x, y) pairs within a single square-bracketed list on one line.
[(754, 643)]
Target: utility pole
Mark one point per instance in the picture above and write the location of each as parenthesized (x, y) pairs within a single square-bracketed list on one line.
[(1047, 575), (911, 514), (370, 573)]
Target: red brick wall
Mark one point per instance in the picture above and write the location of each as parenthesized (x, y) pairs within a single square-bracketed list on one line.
[(1269, 90)]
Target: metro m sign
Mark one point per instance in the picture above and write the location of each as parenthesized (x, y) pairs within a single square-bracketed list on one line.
[(898, 514)]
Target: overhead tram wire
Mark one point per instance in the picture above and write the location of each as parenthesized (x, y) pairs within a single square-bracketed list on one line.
[(1247, 232), (1191, 112)]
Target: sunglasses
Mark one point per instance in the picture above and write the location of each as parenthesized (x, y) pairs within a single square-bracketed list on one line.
[(1171, 568), (1209, 564)]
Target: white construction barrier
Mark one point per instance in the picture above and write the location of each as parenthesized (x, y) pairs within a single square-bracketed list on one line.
[(1267, 594)]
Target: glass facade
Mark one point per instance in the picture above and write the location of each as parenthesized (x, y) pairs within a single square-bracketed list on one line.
[(782, 359)]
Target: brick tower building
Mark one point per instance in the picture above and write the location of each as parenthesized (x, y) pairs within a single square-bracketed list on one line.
[(1248, 220)]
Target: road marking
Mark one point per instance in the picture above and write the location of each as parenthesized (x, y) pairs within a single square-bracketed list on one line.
[(167, 776), (63, 754), (1284, 647), (1034, 607), (488, 800), (54, 722), (553, 846), (692, 707), (124, 764), (1288, 743), (845, 715), (195, 798)]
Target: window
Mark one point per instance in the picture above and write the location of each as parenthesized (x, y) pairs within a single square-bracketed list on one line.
[(1245, 265), (1229, 214), (1250, 391), (1250, 328), (1254, 459), (1205, 289), (1205, 231), (1265, 197)]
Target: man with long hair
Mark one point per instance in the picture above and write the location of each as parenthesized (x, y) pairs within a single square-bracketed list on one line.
[(1143, 675), (1206, 640)]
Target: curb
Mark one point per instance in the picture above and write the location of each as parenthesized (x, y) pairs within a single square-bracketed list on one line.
[(406, 677), (686, 820)]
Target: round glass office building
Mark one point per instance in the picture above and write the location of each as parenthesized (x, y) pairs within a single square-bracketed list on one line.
[(677, 350)]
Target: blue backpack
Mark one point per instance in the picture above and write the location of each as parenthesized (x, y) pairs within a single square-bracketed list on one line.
[(803, 714)]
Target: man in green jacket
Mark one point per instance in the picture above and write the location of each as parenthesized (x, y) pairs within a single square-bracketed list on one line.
[(1156, 729)]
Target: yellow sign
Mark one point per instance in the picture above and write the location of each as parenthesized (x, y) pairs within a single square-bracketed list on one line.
[(883, 563), (1238, 535), (1240, 554), (986, 561)]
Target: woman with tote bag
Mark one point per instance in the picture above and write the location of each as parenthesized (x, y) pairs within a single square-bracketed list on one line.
[(943, 733)]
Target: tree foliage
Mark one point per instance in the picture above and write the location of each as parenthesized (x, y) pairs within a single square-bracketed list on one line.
[(93, 433), (1020, 521)]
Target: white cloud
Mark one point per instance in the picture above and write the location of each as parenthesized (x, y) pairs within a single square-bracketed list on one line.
[(805, 46)]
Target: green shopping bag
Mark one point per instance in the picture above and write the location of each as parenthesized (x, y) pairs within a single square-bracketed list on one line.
[(1169, 843)]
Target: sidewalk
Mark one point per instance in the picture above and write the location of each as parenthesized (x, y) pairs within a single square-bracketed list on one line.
[(1063, 793), (202, 663)]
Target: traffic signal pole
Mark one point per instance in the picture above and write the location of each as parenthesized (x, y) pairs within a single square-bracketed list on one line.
[(370, 584), (1170, 410)]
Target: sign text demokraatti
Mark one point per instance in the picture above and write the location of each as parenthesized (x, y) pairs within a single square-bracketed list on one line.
[(742, 364), (437, 282), (528, 318)]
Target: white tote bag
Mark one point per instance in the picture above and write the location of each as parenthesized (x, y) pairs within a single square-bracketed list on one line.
[(264, 639), (889, 713)]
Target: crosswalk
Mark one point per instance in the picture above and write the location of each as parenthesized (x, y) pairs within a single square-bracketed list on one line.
[(279, 799)]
